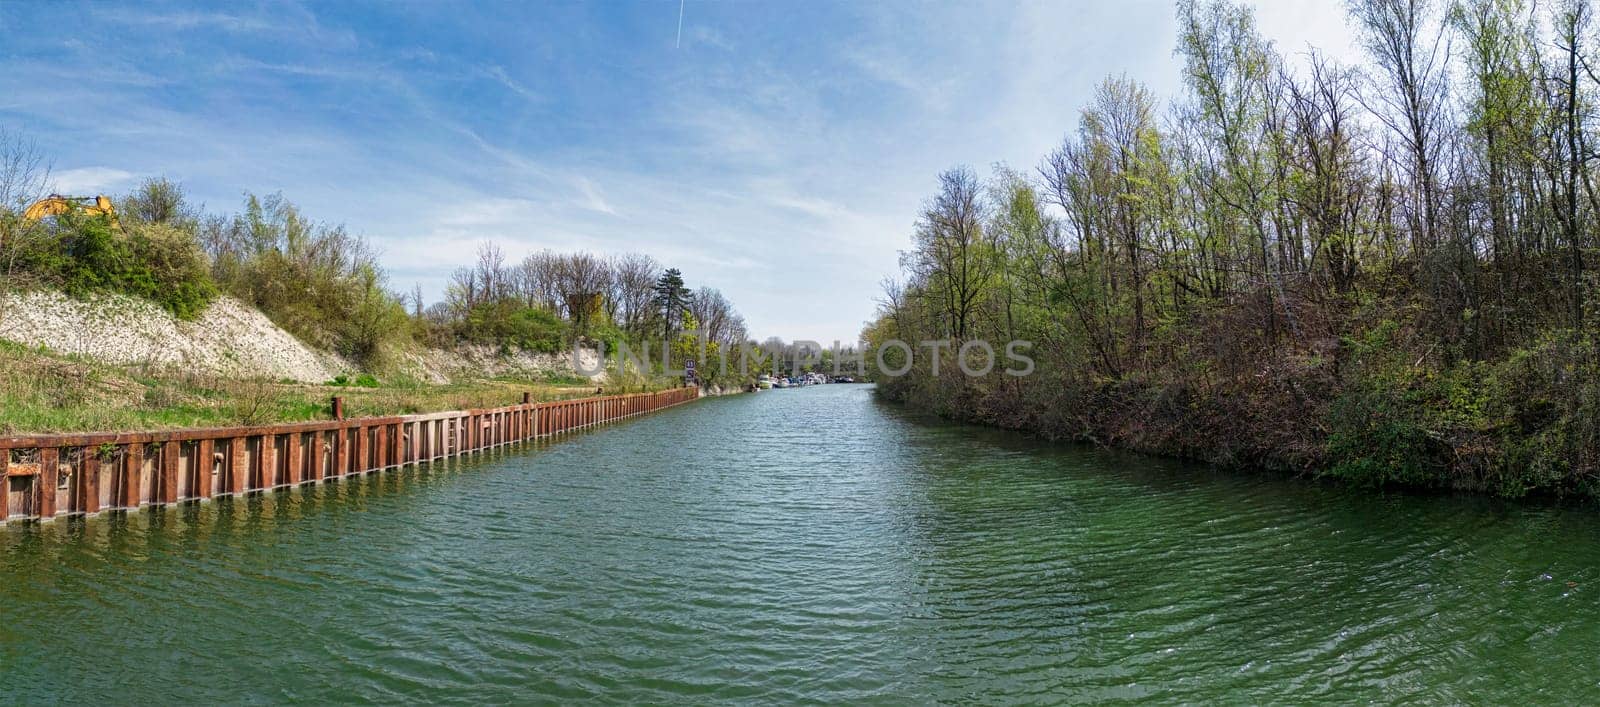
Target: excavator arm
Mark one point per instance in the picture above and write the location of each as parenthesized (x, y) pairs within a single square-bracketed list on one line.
[(57, 205)]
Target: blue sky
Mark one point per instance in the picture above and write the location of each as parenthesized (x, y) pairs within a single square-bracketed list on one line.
[(779, 153)]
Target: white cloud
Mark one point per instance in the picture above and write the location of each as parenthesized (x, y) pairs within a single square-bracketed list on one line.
[(498, 73), (700, 34), (592, 199), (929, 86), (193, 20), (788, 179), (86, 180)]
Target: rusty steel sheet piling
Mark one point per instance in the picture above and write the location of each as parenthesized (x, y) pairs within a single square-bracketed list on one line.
[(48, 476)]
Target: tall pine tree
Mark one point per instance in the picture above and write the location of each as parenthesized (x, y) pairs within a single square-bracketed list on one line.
[(672, 299)]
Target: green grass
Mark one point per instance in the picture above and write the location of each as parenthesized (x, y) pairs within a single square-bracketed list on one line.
[(42, 391)]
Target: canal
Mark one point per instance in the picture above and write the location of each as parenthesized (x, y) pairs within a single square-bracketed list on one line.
[(806, 545)]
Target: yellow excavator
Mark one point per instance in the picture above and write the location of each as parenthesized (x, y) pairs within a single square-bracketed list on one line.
[(57, 205)]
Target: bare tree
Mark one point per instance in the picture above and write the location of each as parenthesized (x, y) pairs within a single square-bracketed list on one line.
[(952, 262), (582, 280), (494, 280), (539, 278), (1329, 171), (1410, 50), (24, 175), (633, 278), (716, 317)]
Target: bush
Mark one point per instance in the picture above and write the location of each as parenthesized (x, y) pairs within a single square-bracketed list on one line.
[(365, 380), (155, 262), (509, 326), (318, 282), (1396, 422), (1377, 437)]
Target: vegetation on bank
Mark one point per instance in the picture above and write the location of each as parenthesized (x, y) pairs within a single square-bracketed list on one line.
[(1381, 273), (326, 286), (42, 391)]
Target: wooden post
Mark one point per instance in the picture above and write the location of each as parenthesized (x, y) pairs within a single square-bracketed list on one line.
[(238, 472), (205, 468), (269, 461), (314, 470), (49, 477), (338, 407), (360, 450), (167, 487), (380, 444), (132, 471), (341, 452), (293, 449), (89, 502)]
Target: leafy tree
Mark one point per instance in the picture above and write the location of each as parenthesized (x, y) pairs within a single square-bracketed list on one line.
[(672, 300)]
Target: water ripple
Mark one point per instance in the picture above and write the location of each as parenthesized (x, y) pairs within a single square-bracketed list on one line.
[(805, 546)]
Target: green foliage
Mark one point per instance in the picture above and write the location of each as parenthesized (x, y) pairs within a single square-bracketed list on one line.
[(86, 255), (1373, 273), (1379, 436), (325, 285), (319, 282), (510, 326), (364, 380), (159, 201), (672, 300), (608, 334)]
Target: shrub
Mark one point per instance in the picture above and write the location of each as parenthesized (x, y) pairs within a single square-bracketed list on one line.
[(155, 262), (1377, 438), (365, 380), (509, 326), (318, 282)]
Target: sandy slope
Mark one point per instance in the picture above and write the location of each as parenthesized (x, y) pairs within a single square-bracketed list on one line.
[(234, 339), (230, 338)]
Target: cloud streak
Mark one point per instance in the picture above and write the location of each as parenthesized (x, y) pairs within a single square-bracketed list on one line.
[(780, 155), (90, 180)]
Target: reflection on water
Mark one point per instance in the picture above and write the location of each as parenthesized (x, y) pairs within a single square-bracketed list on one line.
[(808, 544)]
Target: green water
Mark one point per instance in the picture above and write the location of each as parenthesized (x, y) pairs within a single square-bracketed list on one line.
[(806, 545)]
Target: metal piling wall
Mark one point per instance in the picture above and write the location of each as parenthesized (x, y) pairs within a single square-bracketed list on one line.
[(51, 476)]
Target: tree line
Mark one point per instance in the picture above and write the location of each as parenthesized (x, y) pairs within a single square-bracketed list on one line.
[(1382, 271), (545, 299), (326, 285)]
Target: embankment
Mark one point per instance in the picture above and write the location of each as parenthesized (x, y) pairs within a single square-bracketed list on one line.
[(1516, 427), (229, 338), (232, 339), (51, 476)]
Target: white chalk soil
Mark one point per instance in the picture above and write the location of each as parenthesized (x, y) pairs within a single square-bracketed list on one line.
[(233, 339), (467, 361), (229, 338)]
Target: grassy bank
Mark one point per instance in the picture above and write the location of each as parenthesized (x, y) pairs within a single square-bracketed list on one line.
[(43, 391), (1371, 403)]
